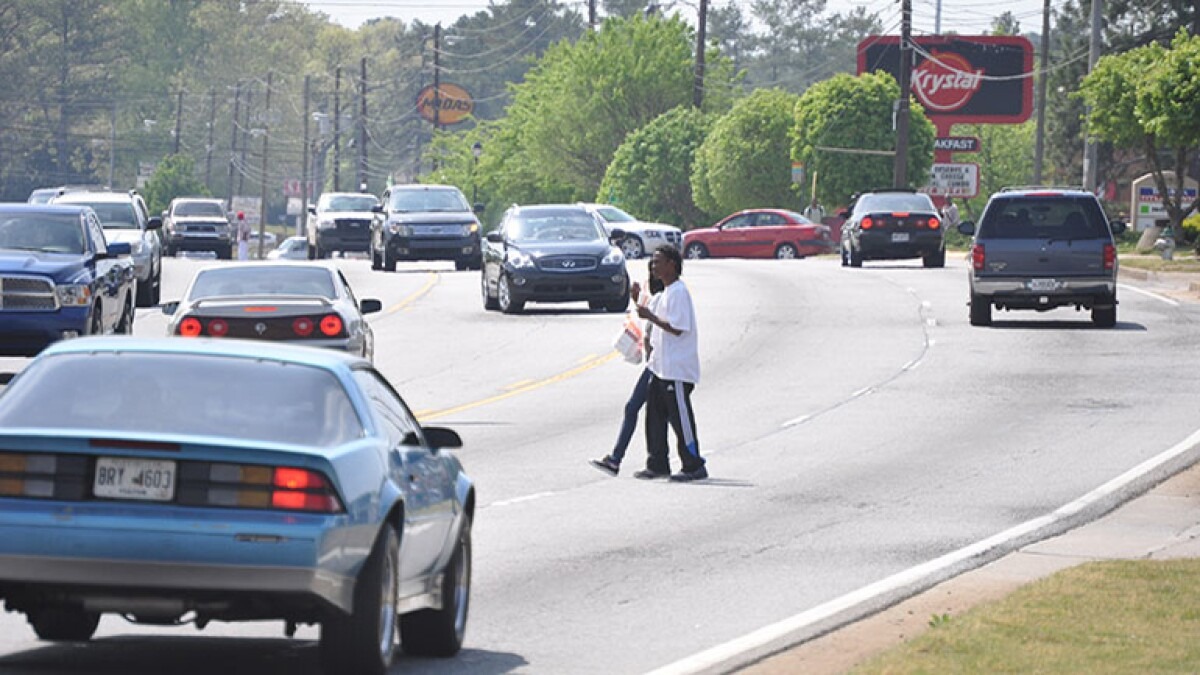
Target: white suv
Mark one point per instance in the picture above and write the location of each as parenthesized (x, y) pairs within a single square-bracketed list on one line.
[(641, 238), (125, 218)]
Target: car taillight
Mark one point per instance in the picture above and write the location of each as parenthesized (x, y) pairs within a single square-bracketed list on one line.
[(331, 325), (900, 214), (218, 328), (867, 223), (977, 256), (303, 327), (1110, 257), (934, 223), (190, 327), (258, 487), (302, 490)]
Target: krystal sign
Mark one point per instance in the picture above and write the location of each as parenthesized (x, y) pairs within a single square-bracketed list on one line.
[(959, 79)]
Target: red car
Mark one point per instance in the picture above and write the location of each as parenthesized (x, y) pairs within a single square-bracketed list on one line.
[(759, 233)]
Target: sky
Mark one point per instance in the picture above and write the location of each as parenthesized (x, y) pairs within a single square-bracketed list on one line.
[(961, 16)]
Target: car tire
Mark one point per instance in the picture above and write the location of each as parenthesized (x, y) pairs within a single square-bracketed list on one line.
[(125, 324), (365, 641), (96, 321), (935, 259), (855, 257), (376, 262), (439, 632), (787, 252), (170, 251), (145, 293), (504, 297), (225, 253), (64, 625), (312, 252), (695, 251), (1104, 316), (632, 247), (389, 260), (845, 260), (489, 303), (981, 311), (460, 265)]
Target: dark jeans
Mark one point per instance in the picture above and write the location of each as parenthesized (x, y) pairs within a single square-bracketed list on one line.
[(632, 407), (670, 402)]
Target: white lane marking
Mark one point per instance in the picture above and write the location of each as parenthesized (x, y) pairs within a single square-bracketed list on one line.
[(527, 498), (911, 365), (1149, 294), (793, 422), (862, 392), (710, 659)]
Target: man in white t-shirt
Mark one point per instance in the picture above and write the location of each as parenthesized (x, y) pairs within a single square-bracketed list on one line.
[(675, 366)]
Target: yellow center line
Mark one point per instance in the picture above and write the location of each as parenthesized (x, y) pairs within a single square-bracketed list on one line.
[(433, 279), (520, 388)]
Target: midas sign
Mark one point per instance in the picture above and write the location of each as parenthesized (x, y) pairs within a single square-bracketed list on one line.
[(453, 104)]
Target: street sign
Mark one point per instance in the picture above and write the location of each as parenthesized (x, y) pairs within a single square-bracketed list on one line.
[(250, 206), (951, 179), (797, 172), (956, 143)]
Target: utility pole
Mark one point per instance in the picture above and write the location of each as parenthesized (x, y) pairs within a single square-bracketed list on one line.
[(233, 143), (1089, 146), (245, 143), (305, 168), (701, 26), (362, 128), (592, 14), (937, 19), (1039, 148), (208, 147), (437, 84), (337, 128), (900, 171), (178, 121), (262, 205), (112, 144)]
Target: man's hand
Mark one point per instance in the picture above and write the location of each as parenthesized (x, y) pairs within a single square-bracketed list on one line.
[(635, 290)]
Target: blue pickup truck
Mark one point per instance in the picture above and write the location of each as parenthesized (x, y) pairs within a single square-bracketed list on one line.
[(60, 278)]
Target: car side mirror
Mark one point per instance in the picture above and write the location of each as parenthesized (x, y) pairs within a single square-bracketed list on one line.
[(119, 248), (967, 227), (164, 214), (616, 236), (1118, 226), (170, 308), (843, 214), (378, 208), (312, 209), (154, 223), (5, 378), (436, 437), (495, 237), (479, 207), (370, 306)]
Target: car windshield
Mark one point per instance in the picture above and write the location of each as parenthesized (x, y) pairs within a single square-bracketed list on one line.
[(292, 243), (899, 203), (612, 214), (413, 201), (348, 203), (42, 196), (41, 232), (1051, 217), (260, 281), (555, 226), (796, 217), (189, 394), (113, 215), (199, 210)]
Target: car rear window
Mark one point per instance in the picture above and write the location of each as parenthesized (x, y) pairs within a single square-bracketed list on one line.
[(262, 281), (901, 202), (199, 209), (1043, 217), (190, 394)]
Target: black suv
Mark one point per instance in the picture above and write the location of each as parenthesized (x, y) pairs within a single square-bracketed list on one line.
[(893, 225), (1042, 248), (426, 222), (553, 253)]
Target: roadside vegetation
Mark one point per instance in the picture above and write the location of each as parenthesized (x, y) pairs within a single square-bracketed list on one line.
[(1102, 617)]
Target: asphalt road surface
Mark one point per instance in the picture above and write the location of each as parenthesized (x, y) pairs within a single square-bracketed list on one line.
[(854, 424)]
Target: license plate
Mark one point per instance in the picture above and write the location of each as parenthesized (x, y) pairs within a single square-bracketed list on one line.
[(1043, 284), (899, 236), (125, 478)]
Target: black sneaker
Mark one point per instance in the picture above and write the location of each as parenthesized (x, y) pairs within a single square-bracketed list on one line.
[(647, 474), (689, 476), (606, 464)]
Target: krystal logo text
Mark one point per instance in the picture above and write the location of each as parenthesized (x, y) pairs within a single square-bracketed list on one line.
[(946, 82)]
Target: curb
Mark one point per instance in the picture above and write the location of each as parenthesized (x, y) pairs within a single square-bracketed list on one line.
[(873, 598)]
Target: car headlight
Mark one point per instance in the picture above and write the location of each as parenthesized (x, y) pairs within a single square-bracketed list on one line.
[(74, 295), (519, 260), (325, 223), (614, 257), (400, 230), (469, 230), (653, 234)]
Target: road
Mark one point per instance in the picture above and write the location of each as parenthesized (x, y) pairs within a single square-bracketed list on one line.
[(855, 425)]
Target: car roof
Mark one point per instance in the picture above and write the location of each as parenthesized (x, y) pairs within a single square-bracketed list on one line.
[(58, 208), (318, 357), (98, 197), (198, 199), (423, 186), (1043, 190)]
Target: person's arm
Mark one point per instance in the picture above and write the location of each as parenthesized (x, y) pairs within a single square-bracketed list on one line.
[(662, 324)]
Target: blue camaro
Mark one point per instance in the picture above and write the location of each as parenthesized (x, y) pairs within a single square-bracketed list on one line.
[(172, 480)]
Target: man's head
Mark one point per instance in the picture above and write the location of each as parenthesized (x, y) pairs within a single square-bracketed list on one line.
[(668, 264)]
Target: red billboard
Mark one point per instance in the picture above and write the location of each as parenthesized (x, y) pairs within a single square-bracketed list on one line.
[(985, 79)]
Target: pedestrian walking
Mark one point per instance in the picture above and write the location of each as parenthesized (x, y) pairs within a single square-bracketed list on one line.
[(674, 364), (243, 235), (950, 213), (611, 463), (814, 211)]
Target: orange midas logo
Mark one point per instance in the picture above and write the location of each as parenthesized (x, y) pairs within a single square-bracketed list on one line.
[(946, 82)]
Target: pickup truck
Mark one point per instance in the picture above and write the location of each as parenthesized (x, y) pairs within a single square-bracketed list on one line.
[(60, 278)]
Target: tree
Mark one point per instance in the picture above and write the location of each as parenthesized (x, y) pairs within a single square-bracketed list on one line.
[(848, 113), (744, 162), (649, 174), (1005, 157), (174, 177), (1145, 99)]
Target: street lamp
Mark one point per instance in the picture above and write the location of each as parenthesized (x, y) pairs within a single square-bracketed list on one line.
[(476, 150)]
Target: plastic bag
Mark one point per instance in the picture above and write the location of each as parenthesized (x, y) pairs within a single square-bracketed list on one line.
[(629, 340)]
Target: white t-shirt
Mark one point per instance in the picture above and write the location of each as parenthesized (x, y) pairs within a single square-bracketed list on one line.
[(675, 357)]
